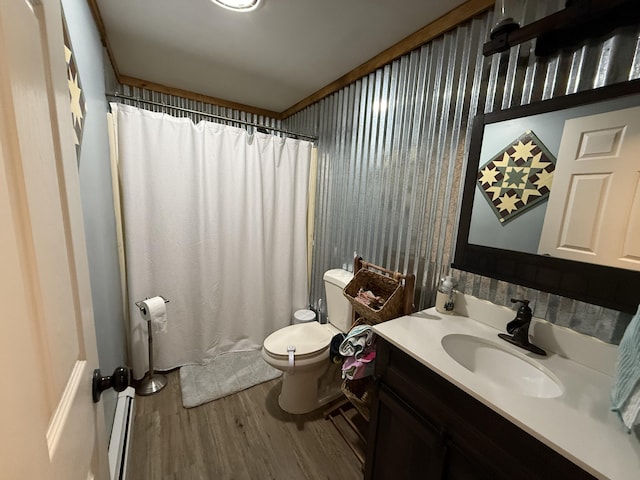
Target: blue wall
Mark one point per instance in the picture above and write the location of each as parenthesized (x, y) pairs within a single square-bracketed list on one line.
[(97, 197)]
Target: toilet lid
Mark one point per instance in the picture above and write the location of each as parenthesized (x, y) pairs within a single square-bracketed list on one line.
[(308, 338)]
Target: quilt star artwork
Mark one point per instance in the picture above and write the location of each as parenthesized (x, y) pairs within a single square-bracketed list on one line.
[(518, 177), (76, 95)]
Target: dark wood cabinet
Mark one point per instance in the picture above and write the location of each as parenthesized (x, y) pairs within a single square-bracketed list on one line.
[(424, 427), (461, 466), (418, 445)]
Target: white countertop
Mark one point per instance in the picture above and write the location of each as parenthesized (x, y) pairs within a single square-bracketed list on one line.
[(578, 424)]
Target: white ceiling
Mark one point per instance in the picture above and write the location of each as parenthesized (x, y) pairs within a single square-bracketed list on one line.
[(270, 58)]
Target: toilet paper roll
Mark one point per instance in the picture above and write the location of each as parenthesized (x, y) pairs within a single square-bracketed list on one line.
[(155, 311)]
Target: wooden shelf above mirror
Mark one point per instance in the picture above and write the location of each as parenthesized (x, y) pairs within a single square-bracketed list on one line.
[(580, 20)]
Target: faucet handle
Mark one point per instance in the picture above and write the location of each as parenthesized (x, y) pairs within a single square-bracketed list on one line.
[(524, 312)]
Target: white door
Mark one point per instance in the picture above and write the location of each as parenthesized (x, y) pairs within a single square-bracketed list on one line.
[(594, 207), (49, 426)]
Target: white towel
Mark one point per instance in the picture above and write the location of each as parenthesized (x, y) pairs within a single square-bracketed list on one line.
[(155, 311), (356, 340)]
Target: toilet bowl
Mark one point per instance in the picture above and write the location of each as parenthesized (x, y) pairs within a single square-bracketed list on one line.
[(301, 351)]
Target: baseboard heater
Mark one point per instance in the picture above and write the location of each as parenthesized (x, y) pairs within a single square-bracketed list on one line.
[(120, 442)]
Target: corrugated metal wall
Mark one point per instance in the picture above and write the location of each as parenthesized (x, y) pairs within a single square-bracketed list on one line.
[(393, 149)]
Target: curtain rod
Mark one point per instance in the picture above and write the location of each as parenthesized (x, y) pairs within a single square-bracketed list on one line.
[(258, 126)]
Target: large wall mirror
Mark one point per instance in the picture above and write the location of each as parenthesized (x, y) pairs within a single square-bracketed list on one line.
[(552, 197)]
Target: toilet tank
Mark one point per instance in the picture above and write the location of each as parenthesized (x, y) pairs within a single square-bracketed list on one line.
[(338, 307)]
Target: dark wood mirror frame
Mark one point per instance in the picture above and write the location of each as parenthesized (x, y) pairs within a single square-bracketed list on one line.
[(610, 287)]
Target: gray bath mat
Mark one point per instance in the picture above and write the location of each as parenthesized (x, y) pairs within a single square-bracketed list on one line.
[(226, 374)]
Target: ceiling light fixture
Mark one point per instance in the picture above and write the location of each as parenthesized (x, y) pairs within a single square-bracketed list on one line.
[(238, 5)]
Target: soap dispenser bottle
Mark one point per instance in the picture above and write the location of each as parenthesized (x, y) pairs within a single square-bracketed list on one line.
[(445, 296)]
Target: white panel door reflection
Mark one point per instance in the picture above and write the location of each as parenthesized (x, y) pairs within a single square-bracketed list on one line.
[(593, 213)]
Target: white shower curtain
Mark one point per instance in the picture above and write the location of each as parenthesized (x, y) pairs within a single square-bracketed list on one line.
[(215, 221)]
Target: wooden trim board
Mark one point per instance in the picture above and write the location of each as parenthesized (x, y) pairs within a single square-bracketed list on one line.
[(97, 18)]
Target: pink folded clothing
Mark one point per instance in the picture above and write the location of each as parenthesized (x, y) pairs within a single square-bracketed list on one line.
[(354, 368), (369, 299)]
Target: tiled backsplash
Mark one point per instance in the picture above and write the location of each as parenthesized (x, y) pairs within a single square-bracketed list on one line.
[(600, 322)]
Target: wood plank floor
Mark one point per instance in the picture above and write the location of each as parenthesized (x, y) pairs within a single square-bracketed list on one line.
[(242, 436)]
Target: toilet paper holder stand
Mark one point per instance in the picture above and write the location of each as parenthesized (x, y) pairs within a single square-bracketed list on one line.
[(152, 382)]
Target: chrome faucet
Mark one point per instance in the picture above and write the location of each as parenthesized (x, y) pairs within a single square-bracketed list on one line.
[(519, 328)]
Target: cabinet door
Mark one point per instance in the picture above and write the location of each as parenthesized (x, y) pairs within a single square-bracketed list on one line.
[(407, 447), (460, 465)]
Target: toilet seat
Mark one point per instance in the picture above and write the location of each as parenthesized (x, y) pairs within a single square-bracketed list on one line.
[(308, 338)]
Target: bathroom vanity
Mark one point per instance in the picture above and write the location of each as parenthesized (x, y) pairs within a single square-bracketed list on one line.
[(455, 402)]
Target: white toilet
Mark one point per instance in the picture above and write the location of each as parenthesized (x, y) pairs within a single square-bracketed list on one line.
[(310, 379)]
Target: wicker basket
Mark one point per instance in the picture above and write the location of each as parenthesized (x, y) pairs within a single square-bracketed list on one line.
[(388, 289)]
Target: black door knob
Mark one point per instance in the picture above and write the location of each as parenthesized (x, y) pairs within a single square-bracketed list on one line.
[(119, 380)]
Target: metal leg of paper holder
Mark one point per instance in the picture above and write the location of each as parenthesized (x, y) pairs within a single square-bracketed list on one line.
[(152, 382)]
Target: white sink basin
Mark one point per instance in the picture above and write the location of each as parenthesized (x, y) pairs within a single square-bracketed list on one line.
[(502, 366)]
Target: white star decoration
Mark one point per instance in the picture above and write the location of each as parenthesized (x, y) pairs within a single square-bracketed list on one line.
[(508, 203), (523, 150), (488, 176), (75, 94)]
